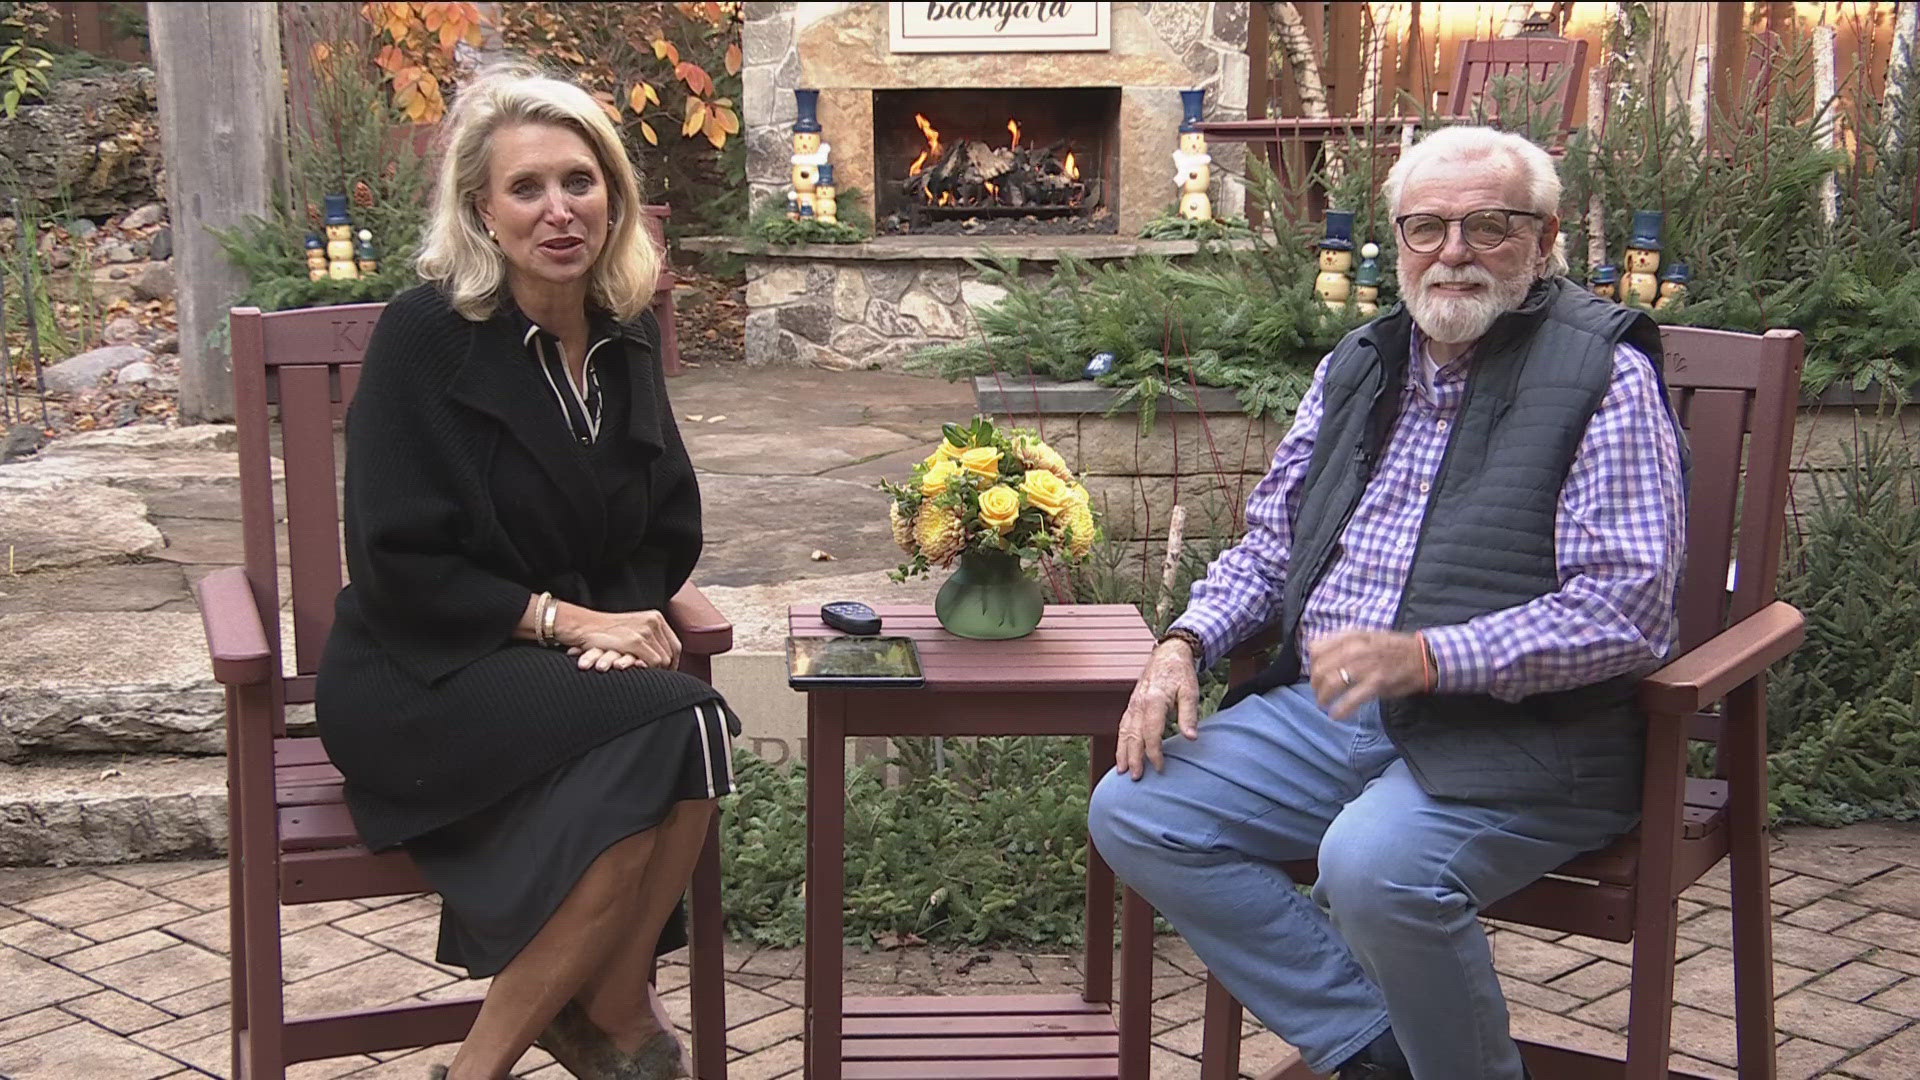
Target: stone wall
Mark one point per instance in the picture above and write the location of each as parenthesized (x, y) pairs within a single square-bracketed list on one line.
[(91, 149), (841, 49)]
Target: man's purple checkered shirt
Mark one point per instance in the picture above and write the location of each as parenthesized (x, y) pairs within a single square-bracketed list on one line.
[(1618, 538)]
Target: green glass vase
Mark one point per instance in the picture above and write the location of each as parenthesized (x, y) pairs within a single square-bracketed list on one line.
[(989, 599)]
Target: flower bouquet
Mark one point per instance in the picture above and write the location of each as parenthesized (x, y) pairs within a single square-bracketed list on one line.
[(995, 500)]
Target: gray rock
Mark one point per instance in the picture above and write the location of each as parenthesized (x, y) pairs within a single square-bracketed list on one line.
[(99, 810), (83, 228), (152, 439), (135, 374), (124, 413), (152, 213), (122, 330), (23, 440), (160, 244), (888, 283), (166, 384), (121, 252), (60, 258), (811, 321), (77, 373), (92, 145), (155, 282), (119, 273), (73, 524), (168, 343)]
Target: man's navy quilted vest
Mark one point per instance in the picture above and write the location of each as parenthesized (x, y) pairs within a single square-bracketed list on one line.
[(1486, 542)]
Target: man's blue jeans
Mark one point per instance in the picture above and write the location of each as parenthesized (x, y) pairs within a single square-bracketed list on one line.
[(1391, 931)]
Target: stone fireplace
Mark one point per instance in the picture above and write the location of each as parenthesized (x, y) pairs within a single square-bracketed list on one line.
[(1114, 108)]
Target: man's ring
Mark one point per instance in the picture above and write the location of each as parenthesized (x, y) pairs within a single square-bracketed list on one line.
[(1346, 676)]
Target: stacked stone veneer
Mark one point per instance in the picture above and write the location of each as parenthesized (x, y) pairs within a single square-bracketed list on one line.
[(841, 50)]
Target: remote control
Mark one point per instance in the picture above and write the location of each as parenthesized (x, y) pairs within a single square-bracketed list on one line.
[(850, 616)]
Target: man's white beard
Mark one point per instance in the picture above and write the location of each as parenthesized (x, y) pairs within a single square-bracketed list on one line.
[(1459, 319)]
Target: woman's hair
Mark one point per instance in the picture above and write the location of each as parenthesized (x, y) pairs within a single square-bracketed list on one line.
[(1466, 144), (456, 252)]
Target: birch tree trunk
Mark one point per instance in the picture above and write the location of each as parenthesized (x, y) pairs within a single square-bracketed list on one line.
[(1299, 52), (1825, 96), (1596, 209), (1906, 38)]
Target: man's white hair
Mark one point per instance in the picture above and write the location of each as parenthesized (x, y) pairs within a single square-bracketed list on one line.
[(1465, 144)]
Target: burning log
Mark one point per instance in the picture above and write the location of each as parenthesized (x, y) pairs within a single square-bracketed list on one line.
[(970, 175)]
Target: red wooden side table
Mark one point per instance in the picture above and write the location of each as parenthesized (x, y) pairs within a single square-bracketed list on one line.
[(1071, 676)]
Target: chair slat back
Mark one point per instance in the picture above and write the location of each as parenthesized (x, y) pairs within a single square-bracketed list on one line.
[(1736, 395), (307, 364), (1531, 59)]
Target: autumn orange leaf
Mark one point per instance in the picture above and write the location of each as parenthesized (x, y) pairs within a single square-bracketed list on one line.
[(733, 59), (646, 130), (652, 94), (696, 117), (637, 97)]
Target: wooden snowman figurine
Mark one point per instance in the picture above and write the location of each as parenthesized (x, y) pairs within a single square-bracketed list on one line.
[(1333, 285), (1366, 280), (340, 265), (316, 257), (809, 154), (1605, 281), (1643, 258), (1192, 165), (365, 256), (1673, 285), (826, 204)]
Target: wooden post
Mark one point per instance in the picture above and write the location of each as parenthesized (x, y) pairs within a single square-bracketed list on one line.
[(1729, 59), (1344, 63), (223, 122)]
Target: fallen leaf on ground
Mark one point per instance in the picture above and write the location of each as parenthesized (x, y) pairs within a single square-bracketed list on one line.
[(820, 556), (694, 418), (715, 419)]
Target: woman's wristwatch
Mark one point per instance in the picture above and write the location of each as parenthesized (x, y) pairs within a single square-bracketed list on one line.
[(1194, 644)]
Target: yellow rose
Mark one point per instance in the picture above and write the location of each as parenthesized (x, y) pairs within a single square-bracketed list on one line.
[(946, 451), (981, 461), (1046, 491), (1000, 507), (938, 475)]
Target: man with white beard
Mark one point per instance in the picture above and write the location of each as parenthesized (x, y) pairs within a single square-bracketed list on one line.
[(1470, 541)]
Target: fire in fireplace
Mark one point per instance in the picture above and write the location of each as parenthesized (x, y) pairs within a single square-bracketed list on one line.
[(966, 161)]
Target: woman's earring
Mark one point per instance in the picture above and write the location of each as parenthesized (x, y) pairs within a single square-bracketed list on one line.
[(491, 235)]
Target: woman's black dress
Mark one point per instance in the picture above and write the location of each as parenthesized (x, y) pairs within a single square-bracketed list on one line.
[(477, 476)]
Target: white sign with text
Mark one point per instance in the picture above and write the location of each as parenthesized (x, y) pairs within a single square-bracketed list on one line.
[(978, 27)]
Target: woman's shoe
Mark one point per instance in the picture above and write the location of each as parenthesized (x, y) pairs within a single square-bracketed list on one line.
[(657, 1059), (579, 1045)]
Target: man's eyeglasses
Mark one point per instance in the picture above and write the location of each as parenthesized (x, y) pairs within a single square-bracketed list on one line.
[(1483, 230)]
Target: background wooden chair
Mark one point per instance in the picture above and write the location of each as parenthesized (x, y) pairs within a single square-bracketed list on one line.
[(1736, 395), (1294, 145), (290, 838)]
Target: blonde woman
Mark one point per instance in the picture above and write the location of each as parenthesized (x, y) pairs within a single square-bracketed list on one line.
[(500, 688)]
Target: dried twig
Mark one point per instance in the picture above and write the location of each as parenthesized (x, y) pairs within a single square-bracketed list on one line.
[(1176, 538)]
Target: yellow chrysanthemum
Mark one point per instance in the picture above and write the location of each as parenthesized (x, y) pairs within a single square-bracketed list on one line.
[(902, 527), (1075, 529), (1035, 454), (939, 533)]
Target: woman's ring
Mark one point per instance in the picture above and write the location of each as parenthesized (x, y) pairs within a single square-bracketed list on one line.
[(1346, 676)]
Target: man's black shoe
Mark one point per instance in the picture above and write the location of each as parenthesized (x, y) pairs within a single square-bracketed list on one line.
[(1380, 1059), (1367, 1070)]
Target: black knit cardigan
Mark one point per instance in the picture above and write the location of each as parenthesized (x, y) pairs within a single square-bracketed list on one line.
[(466, 493)]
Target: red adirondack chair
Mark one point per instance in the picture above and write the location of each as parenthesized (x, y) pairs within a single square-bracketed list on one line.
[(290, 838), (1736, 395)]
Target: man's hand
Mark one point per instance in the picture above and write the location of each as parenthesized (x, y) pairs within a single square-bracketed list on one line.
[(1170, 682), (1353, 667)]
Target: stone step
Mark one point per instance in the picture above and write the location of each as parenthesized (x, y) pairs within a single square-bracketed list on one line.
[(89, 809)]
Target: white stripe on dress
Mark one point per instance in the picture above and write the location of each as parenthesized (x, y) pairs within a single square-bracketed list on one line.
[(726, 741), (706, 749)]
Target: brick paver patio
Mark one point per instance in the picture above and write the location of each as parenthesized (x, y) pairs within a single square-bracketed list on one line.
[(120, 972)]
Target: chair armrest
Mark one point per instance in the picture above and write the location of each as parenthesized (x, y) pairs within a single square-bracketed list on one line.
[(1260, 642), (236, 639), (1724, 661), (1288, 128), (703, 630)]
